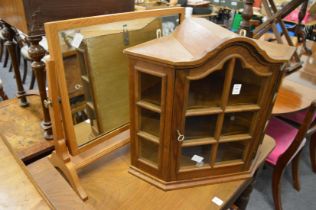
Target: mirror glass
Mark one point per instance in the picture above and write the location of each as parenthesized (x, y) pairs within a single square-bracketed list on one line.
[(97, 71)]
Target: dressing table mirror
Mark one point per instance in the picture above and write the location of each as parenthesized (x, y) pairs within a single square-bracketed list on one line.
[(88, 83)]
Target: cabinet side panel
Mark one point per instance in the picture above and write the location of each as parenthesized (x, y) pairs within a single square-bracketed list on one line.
[(133, 113)]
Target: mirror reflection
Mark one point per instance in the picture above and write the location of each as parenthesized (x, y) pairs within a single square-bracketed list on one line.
[(97, 71)]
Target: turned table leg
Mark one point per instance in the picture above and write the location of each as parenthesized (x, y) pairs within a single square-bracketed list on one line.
[(247, 15), (243, 200), (37, 52), (300, 29), (2, 93), (8, 34)]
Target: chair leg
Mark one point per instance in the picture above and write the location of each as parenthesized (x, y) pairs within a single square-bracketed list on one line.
[(18, 54), (1, 49), (2, 93), (295, 171), (25, 70), (10, 69), (6, 58), (32, 81), (276, 187), (312, 151)]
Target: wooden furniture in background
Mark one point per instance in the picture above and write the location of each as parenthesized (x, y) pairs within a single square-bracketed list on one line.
[(289, 143), (191, 97), (121, 190), (278, 15), (69, 157), (309, 67), (9, 34), (21, 126), (275, 17), (270, 9), (29, 17), (296, 119), (247, 15), (18, 189), (296, 93)]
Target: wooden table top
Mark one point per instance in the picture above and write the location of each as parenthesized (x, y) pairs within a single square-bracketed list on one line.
[(17, 189), (109, 184), (22, 127), (297, 92)]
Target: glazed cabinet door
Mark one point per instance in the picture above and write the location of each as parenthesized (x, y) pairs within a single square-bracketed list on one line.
[(151, 112), (217, 110)]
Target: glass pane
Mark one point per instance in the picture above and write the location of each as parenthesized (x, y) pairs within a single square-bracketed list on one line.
[(237, 123), (230, 151), (150, 88), (150, 122), (206, 92), (187, 153), (200, 126), (148, 150), (249, 90)]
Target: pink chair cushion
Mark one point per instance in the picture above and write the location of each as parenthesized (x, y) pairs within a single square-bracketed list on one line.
[(283, 134), (297, 117)]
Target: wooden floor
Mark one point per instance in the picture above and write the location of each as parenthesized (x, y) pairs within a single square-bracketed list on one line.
[(21, 126)]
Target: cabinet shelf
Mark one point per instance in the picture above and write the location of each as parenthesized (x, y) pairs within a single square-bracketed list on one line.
[(149, 151), (197, 142), (250, 86), (149, 106), (232, 138), (197, 127), (148, 136), (203, 111), (149, 122), (204, 151), (150, 88), (231, 151), (200, 89), (236, 123), (149, 163), (242, 108)]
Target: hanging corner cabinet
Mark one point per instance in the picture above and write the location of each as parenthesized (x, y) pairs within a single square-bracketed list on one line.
[(200, 100)]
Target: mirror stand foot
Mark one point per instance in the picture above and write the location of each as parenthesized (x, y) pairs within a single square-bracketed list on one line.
[(69, 170)]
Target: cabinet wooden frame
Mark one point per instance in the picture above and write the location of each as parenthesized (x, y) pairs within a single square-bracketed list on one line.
[(229, 59), (68, 156)]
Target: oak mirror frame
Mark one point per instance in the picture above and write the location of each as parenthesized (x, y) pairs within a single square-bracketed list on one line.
[(63, 123)]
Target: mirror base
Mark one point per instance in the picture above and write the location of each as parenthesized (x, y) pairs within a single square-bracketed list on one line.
[(69, 170)]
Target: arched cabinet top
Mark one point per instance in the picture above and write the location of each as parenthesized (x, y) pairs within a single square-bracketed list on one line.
[(197, 40)]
